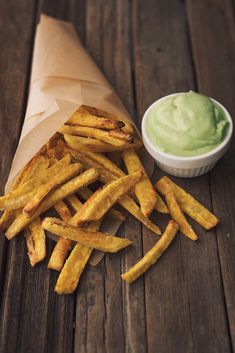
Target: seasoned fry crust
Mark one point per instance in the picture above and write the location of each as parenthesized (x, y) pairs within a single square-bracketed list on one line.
[(144, 189), (64, 191), (188, 203), (152, 255), (97, 240), (179, 217)]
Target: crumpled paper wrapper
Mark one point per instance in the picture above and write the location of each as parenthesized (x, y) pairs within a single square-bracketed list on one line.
[(63, 78)]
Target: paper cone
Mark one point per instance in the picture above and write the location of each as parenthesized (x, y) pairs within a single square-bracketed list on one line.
[(63, 78)]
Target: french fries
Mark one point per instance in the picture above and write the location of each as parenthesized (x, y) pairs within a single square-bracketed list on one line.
[(85, 193), (160, 205), (89, 144), (188, 203), (20, 196), (72, 270), (59, 194), (89, 120), (36, 242), (103, 199), (69, 172), (179, 217), (152, 255), (63, 245), (144, 189), (98, 134), (52, 180), (97, 240)]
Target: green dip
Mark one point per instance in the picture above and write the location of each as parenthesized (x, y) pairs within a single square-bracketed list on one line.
[(187, 124)]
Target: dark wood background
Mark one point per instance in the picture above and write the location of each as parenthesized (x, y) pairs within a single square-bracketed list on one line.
[(186, 303)]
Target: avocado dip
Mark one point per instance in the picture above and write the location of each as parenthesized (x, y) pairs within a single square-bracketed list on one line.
[(187, 124)]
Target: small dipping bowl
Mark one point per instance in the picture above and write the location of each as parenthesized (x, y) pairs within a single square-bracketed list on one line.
[(186, 167)]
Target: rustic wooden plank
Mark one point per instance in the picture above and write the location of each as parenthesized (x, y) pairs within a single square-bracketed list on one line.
[(15, 55), (32, 312), (13, 68), (107, 40), (184, 294), (212, 35)]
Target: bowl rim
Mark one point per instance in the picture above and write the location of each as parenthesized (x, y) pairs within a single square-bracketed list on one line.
[(186, 158)]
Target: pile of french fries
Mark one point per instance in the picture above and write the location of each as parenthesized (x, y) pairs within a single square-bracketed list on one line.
[(78, 173)]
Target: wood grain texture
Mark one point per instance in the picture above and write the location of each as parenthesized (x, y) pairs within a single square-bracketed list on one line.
[(187, 310), (214, 64), (185, 303), (15, 56)]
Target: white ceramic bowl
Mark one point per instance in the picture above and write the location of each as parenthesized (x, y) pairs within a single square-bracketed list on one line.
[(186, 167)]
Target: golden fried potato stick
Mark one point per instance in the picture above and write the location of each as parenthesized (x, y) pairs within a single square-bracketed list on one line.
[(122, 135), (98, 134), (129, 204), (89, 120), (31, 170), (85, 193), (74, 202), (63, 245), (71, 272), (178, 216), (103, 114), (144, 189), (19, 197), (160, 205), (105, 163), (69, 172), (153, 254), (104, 198), (81, 144), (36, 242), (188, 203), (97, 240), (22, 221)]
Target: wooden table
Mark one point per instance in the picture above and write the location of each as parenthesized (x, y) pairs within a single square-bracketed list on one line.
[(186, 303)]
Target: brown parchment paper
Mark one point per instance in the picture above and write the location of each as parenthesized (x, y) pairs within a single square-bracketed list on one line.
[(63, 78)]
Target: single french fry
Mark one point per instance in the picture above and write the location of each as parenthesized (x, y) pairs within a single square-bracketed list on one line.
[(105, 163), (144, 189), (98, 134), (63, 245), (36, 242), (178, 216), (69, 277), (160, 205), (104, 198), (71, 272), (129, 204), (122, 135), (85, 193), (71, 171), (89, 120), (97, 240), (153, 254), (19, 197), (188, 203), (101, 113), (81, 144), (59, 194)]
